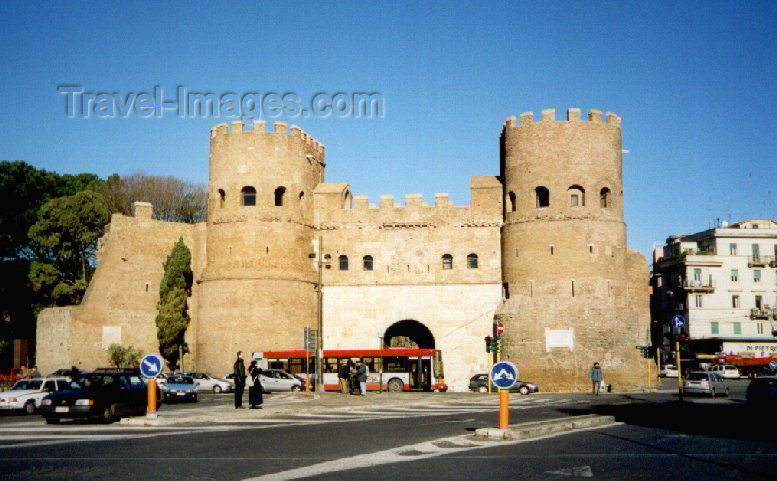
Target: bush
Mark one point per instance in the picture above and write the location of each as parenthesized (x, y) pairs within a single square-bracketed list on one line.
[(124, 356)]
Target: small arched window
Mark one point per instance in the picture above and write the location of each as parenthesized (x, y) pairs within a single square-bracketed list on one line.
[(511, 197), (604, 197), (222, 198), (472, 261), (279, 193), (248, 196), (343, 262), (367, 263), (542, 195), (447, 261), (301, 196), (576, 196)]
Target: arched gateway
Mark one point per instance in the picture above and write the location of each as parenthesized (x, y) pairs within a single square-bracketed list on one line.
[(409, 330)]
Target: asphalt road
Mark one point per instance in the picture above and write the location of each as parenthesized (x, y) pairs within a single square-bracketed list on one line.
[(656, 437)]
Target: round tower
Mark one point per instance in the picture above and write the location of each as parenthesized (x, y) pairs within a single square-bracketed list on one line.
[(566, 271), (258, 282)]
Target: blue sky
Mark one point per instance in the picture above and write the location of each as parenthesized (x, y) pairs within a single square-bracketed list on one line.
[(694, 82)]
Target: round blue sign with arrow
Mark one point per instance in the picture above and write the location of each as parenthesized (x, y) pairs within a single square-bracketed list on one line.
[(151, 366), (678, 322), (504, 374), (772, 365)]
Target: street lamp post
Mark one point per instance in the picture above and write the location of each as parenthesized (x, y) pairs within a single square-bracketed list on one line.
[(320, 318)]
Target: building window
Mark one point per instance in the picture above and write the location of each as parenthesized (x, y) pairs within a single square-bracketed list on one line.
[(735, 301), (279, 193), (760, 327), (511, 197), (734, 275), (542, 195), (302, 196), (248, 196), (367, 263), (506, 290), (732, 249), (343, 263), (737, 328), (472, 261), (757, 275), (447, 261), (759, 300), (756, 252), (590, 248), (697, 274), (576, 196), (714, 327), (222, 198), (552, 250), (604, 197), (698, 300)]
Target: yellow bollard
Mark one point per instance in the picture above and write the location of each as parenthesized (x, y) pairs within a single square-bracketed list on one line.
[(151, 391), (504, 408), (648, 372), (679, 371)]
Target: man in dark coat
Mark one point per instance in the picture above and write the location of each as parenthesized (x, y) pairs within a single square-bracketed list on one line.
[(255, 390), (239, 370)]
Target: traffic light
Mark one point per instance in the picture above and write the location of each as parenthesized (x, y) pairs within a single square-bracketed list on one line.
[(499, 344), (488, 343), (682, 337)]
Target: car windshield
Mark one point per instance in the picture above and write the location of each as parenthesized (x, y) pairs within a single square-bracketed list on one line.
[(180, 380), (93, 381), (697, 376), (24, 385)]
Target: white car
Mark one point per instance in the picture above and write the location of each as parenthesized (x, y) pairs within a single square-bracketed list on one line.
[(275, 380), (726, 371), (702, 382), (668, 370), (206, 382), (27, 394)]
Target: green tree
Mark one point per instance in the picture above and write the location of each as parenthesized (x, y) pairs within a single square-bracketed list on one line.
[(173, 318), (124, 356), (65, 237)]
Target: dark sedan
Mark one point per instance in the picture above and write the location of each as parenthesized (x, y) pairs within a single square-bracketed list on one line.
[(99, 396), (763, 391), (479, 382)]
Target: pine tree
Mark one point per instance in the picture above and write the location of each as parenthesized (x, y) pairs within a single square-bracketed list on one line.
[(174, 290)]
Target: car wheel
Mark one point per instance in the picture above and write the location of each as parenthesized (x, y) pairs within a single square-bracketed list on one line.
[(194, 399), (107, 415), (217, 389), (395, 385), (296, 388), (523, 390), (482, 389), (29, 407), (52, 420)]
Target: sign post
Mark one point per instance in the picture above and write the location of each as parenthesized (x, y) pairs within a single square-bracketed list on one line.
[(150, 367), (504, 374)]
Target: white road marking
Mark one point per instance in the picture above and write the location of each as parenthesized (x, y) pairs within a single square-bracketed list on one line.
[(578, 472)]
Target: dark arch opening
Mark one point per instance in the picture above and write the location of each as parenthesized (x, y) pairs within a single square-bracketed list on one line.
[(512, 201), (279, 193), (248, 196), (411, 330), (542, 195)]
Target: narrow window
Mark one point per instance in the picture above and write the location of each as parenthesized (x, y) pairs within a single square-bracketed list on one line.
[(367, 263), (604, 197), (576, 196), (735, 301), (713, 327), (552, 250), (506, 290), (573, 288), (343, 263), (222, 198), (734, 275), (447, 261), (279, 193), (590, 248), (542, 195), (248, 196), (760, 328), (756, 252), (512, 201), (757, 275), (698, 300), (609, 288), (732, 249), (758, 302), (472, 261), (146, 286), (737, 328), (301, 196), (697, 274)]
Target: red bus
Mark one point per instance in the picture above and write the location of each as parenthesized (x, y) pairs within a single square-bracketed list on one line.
[(393, 370)]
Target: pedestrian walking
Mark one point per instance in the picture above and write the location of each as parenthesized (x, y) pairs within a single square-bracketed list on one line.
[(255, 390), (596, 378), (239, 370), (362, 377), (342, 376)]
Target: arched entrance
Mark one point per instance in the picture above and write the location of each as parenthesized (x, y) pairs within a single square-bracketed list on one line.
[(408, 333)]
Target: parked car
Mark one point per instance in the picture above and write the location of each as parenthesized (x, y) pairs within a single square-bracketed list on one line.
[(668, 370), (276, 380), (726, 371), (178, 388), (68, 373), (27, 394), (762, 391), (102, 396), (206, 382), (704, 382), (479, 382)]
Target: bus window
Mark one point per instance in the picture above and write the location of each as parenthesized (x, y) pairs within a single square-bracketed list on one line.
[(330, 364), (394, 364)]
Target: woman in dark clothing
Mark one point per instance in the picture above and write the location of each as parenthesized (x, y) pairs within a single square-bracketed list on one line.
[(255, 391)]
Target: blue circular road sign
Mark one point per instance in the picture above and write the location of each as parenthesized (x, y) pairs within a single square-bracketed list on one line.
[(151, 366), (772, 365), (504, 374), (678, 322)]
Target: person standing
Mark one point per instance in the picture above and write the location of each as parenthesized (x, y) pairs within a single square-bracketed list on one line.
[(362, 377), (342, 376), (239, 370), (255, 390), (596, 376), (35, 374)]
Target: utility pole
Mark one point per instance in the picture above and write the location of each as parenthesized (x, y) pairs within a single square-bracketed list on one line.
[(319, 336)]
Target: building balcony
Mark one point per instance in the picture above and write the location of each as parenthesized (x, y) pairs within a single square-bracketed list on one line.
[(698, 285), (763, 313), (760, 261)]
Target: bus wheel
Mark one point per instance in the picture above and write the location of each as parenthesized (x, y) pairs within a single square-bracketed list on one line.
[(395, 385)]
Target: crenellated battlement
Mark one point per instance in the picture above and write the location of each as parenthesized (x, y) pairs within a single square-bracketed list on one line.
[(259, 127), (573, 115)]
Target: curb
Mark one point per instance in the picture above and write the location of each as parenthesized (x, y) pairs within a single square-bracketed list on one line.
[(543, 428)]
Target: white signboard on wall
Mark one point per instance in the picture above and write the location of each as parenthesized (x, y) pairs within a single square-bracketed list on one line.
[(756, 348), (111, 335), (559, 338)]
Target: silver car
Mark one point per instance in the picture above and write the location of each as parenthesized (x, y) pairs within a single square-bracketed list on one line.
[(206, 382), (275, 380), (703, 382)]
